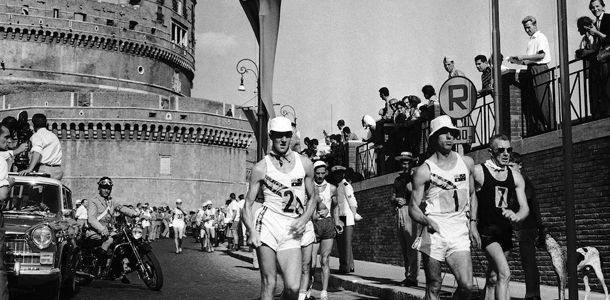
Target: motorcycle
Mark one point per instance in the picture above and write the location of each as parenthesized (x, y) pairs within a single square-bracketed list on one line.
[(129, 253)]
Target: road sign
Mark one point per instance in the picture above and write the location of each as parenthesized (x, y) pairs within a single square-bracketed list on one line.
[(457, 97), (465, 136)]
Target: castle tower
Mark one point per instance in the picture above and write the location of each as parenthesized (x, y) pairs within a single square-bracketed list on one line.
[(114, 79)]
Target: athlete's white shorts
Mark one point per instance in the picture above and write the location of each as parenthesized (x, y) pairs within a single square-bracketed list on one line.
[(309, 237), (274, 230), (453, 237)]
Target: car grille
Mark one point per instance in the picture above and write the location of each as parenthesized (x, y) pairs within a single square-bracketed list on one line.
[(16, 248)]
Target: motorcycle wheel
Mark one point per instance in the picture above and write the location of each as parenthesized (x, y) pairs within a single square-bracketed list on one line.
[(151, 269), (81, 280)]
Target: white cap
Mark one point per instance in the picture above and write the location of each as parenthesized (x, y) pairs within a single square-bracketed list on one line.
[(280, 124), (440, 122), (79, 201), (319, 163), (178, 200), (209, 202)]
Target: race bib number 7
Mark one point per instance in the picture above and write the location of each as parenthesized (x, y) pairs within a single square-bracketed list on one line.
[(290, 202), (453, 200)]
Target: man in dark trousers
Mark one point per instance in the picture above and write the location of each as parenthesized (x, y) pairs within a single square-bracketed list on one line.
[(406, 228), (528, 232)]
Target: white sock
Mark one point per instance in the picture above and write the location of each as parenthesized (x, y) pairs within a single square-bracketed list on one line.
[(302, 296), (308, 294), (323, 294)]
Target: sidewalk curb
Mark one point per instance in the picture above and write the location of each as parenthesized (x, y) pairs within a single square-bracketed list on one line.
[(355, 284)]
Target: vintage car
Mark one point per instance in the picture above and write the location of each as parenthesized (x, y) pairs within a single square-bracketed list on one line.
[(40, 249)]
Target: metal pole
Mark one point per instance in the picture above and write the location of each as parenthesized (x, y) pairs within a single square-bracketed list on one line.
[(568, 165), (497, 63), (261, 125)]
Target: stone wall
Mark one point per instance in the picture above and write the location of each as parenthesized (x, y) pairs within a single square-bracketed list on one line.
[(88, 45)]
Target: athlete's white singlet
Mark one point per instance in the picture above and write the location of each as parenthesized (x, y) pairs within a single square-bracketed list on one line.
[(449, 193), (325, 196), (285, 192)]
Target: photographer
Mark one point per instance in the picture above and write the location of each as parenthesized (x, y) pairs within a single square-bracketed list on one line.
[(46, 150)]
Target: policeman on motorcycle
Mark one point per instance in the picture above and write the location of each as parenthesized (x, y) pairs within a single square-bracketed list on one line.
[(101, 211)]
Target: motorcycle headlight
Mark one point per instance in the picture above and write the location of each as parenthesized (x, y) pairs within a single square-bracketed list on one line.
[(42, 237), (137, 232)]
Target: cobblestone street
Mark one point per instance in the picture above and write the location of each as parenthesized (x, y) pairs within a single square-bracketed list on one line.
[(190, 275)]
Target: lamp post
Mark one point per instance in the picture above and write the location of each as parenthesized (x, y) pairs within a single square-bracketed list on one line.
[(242, 69), (286, 110)]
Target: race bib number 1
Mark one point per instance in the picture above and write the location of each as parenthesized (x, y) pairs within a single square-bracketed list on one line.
[(453, 200)]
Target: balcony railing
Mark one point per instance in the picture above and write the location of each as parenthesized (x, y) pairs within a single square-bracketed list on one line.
[(585, 106)]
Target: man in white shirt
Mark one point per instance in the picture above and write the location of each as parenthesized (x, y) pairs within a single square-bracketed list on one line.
[(81, 212), (347, 211), (46, 154), (540, 115)]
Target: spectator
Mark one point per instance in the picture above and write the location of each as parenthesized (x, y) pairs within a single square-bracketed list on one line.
[(348, 135), (586, 46), (432, 107), (295, 140), (413, 125), (406, 228), (241, 230), (348, 215), (229, 113), (145, 213), (449, 65), (482, 65), (81, 212), (233, 223), (341, 124), (369, 123), (538, 54), (46, 150), (600, 100), (528, 232), (311, 151), (386, 112)]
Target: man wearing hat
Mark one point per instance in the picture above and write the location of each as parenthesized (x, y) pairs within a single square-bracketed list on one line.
[(347, 211), (406, 228), (325, 224), (101, 212), (286, 179), (445, 184)]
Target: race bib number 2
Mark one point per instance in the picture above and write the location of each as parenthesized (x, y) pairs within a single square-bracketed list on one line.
[(453, 200), (291, 203)]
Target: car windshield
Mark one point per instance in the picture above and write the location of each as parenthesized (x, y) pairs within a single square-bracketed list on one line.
[(28, 196)]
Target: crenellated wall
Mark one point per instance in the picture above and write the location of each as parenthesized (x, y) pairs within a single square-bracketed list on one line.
[(155, 152), (145, 46)]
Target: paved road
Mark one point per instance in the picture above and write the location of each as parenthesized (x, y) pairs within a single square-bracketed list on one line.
[(190, 275)]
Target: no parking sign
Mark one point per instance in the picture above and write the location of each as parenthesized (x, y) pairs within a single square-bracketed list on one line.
[(458, 97)]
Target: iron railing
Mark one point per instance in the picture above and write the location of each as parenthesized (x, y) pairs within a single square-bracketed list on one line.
[(482, 118)]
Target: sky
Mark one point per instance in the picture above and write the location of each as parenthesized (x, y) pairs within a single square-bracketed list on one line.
[(333, 56)]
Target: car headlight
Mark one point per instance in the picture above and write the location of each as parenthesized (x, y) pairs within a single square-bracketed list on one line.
[(42, 237), (137, 232)]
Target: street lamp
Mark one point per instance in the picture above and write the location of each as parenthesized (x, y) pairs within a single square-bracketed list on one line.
[(242, 69), (289, 110)]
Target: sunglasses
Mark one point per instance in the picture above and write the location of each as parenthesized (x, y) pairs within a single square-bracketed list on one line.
[(502, 149), (279, 135)]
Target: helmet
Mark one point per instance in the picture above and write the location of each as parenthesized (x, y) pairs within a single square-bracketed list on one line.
[(105, 181)]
